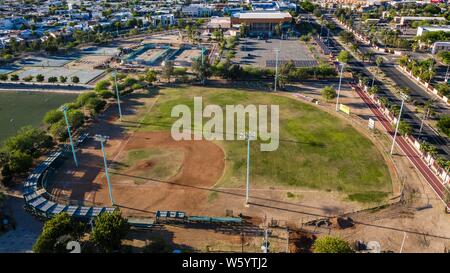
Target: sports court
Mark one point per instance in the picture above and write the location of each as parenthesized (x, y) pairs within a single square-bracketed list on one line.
[(85, 76)]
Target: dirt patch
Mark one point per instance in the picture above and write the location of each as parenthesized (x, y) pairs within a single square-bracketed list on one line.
[(202, 165)]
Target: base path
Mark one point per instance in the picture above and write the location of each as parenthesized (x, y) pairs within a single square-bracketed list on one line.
[(409, 151)]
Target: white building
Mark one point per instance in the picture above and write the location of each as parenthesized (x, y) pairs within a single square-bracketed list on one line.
[(197, 10), (440, 46), (422, 30), (401, 20)]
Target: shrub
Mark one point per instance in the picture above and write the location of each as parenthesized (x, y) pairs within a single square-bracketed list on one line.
[(328, 93), (52, 79), (444, 124), (3, 77), (14, 77), (53, 116), (40, 78), (75, 79), (328, 244), (105, 94), (28, 78)]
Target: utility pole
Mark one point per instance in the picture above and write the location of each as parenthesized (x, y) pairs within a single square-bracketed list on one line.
[(276, 67), (64, 110), (398, 122), (339, 86), (103, 140), (425, 116), (117, 94), (249, 136)]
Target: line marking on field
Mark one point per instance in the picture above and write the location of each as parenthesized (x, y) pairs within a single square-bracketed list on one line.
[(124, 144)]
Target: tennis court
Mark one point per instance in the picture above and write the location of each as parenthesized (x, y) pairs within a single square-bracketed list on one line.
[(85, 76)]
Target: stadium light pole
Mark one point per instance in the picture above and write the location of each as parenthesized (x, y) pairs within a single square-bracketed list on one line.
[(64, 110), (203, 64), (276, 68), (117, 94), (102, 140), (249, 136), (403, 96), (339, 86)]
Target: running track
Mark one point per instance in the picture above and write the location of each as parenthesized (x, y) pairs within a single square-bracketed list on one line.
[(409, 151)]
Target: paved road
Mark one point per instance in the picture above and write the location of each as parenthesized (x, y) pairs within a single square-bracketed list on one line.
[(428, 134), (27, 229), (409, 151)]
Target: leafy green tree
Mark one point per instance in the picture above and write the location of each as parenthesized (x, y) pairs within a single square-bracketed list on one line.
[(59, 130), (167, 70), (95, 105), (75, 79), (150, 76), (404, 128), (102, 85), (19, 162), (52, 79), (3, 77), (201, 68), (40, 78), (62, 79), (109, 230), (83, 98), (329, 244), (28, 78), (283, 76), (329, 93), (14, 77), (60, 225), (53, 116), (444, 124), (76, 118), (344, 56)]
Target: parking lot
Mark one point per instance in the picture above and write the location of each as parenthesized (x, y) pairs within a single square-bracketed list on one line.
[(262, 53)]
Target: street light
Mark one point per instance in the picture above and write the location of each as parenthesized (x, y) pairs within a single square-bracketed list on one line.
[(64, 110), (276, 67), (403, 96), (339, 86), (425, 116), (117, 94), (102, 140), (249, 136)]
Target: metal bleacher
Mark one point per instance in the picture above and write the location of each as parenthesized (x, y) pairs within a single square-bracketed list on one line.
[(36, 197)]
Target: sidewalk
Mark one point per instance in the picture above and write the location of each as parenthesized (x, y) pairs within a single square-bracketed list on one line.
[(27, 230)]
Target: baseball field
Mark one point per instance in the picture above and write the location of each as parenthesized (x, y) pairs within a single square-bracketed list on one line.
[(320, 157)]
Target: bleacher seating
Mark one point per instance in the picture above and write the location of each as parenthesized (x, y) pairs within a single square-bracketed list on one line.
[(36, 199)]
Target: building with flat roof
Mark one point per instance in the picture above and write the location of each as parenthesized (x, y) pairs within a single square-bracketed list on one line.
[(402, 20), (423, 29), (262, 23), (440, 46)]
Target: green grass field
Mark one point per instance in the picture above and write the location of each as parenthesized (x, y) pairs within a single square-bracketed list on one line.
[(26, 108), (316, 150)]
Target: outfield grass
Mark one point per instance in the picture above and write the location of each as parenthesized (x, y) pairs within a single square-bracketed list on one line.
[(316, 150)]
